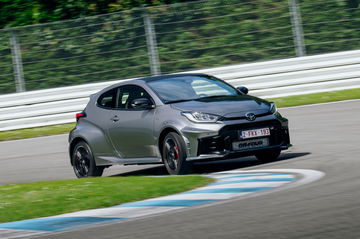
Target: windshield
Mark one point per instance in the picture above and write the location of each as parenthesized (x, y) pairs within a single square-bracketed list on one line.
[(185, 88)]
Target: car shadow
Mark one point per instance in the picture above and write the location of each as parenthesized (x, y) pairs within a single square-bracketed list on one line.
[(213, 166), (232, 164)]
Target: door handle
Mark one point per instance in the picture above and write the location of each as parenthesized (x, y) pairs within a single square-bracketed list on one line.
[(115, 118)]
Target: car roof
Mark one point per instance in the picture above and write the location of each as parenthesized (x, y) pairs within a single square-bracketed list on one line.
[(145, 79), (154, 78)]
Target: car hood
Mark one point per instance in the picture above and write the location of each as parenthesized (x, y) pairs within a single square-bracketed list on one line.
[(226, 106)]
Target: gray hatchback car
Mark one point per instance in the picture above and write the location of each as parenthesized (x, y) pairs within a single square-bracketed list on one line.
[(175, 120)]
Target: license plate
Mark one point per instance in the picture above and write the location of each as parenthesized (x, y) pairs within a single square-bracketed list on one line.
[(247, 134), (250, 144)]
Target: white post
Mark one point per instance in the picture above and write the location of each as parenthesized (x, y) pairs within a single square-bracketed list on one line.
[(152, 45), (17, 62), (297, 28)]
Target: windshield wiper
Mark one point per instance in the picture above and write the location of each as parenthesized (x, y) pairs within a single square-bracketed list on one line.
[(200, 98), (178, 101), (213, 96)]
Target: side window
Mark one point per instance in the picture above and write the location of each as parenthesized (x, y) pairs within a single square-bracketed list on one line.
[(128, 93), (108, 99), (124, 97)]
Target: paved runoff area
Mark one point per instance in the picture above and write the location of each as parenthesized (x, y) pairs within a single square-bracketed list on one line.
[(229, 185)]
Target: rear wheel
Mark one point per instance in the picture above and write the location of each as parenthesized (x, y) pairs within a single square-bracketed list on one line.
[(83, 161), (174, 154), (268, 155)]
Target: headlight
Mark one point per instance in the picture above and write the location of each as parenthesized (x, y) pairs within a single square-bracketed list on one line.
[(273, 108), (199, 117)]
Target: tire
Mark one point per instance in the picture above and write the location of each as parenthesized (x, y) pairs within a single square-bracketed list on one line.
[(83, 162), (268, 155), (174, 154)]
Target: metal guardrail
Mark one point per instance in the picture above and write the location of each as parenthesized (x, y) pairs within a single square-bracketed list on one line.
[(294, 76)]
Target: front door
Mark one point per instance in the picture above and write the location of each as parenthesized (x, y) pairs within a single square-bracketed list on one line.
[(131, 130)]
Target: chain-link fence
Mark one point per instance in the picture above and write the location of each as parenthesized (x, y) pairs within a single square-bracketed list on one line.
[(172, 38)]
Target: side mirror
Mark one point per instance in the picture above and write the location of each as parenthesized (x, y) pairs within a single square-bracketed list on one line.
[(142, 103), (243, 89)]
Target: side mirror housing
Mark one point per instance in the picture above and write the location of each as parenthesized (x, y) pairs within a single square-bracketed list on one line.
[(142, 103), (243, 89)]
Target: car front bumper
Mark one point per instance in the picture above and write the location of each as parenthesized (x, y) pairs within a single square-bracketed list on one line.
[(214, 141)]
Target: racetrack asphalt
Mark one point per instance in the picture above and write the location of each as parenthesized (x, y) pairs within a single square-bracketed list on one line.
[(325, 138)]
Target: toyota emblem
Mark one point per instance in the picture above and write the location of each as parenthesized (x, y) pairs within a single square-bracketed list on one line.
[(250, 116)]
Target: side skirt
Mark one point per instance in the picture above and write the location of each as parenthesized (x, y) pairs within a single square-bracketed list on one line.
[(103, 160)]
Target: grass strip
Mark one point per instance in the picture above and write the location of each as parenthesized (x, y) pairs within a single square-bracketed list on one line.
[(315, 98), (41, 199), (36, 132), (281, 102)]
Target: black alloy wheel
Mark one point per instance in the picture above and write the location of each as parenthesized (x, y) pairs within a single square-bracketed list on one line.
[(83, 162), (174, 154)]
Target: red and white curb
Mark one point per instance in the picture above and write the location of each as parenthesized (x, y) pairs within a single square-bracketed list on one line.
[(235, 184)]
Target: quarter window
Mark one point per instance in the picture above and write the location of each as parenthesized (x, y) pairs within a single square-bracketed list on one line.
[(108, 99)]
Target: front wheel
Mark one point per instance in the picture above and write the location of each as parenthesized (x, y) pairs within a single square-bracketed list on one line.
[(174, 154), (83, 162), (268, 155)]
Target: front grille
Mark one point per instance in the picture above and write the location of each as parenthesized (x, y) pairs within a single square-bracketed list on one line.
[(244, 117), (228, 134)]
